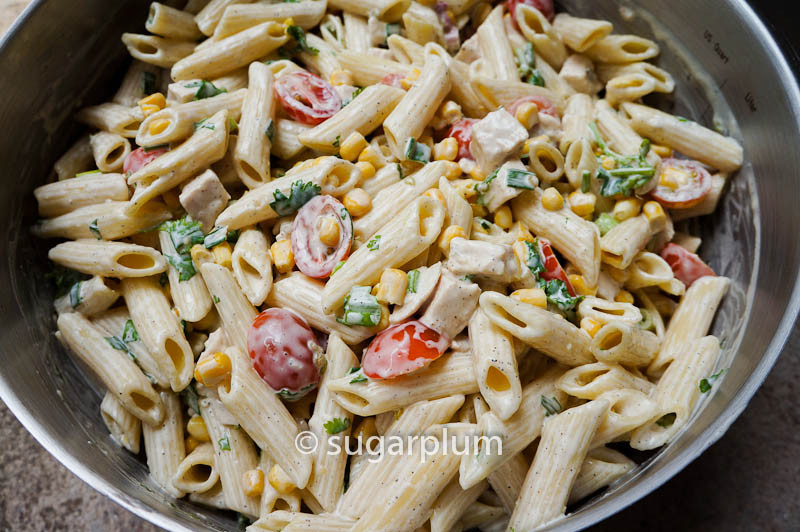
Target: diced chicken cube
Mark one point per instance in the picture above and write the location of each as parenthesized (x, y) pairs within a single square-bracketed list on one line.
[(496, 138), (491, 261), (204, 198), (426, 282), (182, 91), (452, 305), (499, 191), (578, 71)]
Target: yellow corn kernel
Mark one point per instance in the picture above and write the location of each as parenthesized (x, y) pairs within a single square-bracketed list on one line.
[(148, 109), (453, 171), (552, 200), (200, 255), (367, 170), (531, 296), (190, 444), (624, 297), (450, 111), (478, 210), (608, 163), (626, 208), (171, 199), (222, 254), (370, 155), (476, 173), (392, 288), (661, 150), (253, 482), (280, 480), (580, 286), (357, 202), (352, 146), (591, 325), (527, 114), (286, 23), (654, 212), (503, 218), (196, 427), (329, 233), (156, 99), (435, 193), (520, 232), (384, 321), (447, 150), (409, 80), (158, 126), (341, 77), (454, 231), (582, 203), (212, 371), (282, 256)]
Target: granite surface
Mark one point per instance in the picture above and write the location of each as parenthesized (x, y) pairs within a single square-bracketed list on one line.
[(747, 481)]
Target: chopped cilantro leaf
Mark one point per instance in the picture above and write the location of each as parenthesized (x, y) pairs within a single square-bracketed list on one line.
[(129, 332), (184, 233), (183, 263), (706, 384), (336, 143), (417, 151), (95, 230), (224, 443), (75, 294), (375, 243), (64, 278), (216, 299), (299, 36), (299, 195), (631, 171), (336, 425), (526, 61), (270, 131), (558, 295), (534, 260), (205, 89)]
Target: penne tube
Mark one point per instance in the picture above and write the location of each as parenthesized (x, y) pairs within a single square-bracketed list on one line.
[(545, 160), (213, 498), (495, 48), (628, 88), (648, 269), (197, 472), (622, 49), (628, 410), (252, 265), (239, 17), (451, 504), (588, 381), (541, 329), (580, 34), (618, 342), (124, 427), (459, 211), (622, 138), (287, 143), (539, 31), (414, 228), (235, 311), (111, 117), (661, 78), (604, 311), (601, 468), (387, 10), (171, 23), (76, 159), (159, 330), (107, 221), (139, 80), (190, 296), (212, 12), (157, 51), (164, 446), (109, 151), (507, 480), (89, 298), (108, 259), (283, 521), (578, 114), (498, 93), (463, 92), (562, 449), (480, 514), (451, 374), (325, 61), (356, 32), (405, 50), (622, 244), (251, 156), (383, 178), (115, 368)]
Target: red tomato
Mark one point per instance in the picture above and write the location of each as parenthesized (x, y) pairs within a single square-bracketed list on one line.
[(461, 130), (545, 106), (401, 349), (686, 266), (307, 98), (553, 269), (545, 6), (284, 352), (691, 183), (139, 158), (312, 256), (393, 80)]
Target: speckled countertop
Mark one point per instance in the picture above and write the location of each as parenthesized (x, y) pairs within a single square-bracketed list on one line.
[(747, 481)]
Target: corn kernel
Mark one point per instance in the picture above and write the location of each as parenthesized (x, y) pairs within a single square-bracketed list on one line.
[(503, 218), (280, 480), (384, 321), (222, 254), (409, 80), (624, 297), (367, 170), (196, 427), (158, 126), (171, 199), (450, 111), (200, 255), (626, 208), (392, 288), (148, 109), (478, 210), (662, 151), (435, 193), (190, 444), (531, 296), (452, 171), (156, 99), (447, 150), (654, 212), (582, 203), (527, 114), (580, 286), (520, 233), (454, 231), (370, 155), (477, 173), (341, 77), (591, 325), (329, 233), (608, 163), (282, 256), (253, 482), (352, 146), (552, 200), (212, 371), (357, 202)]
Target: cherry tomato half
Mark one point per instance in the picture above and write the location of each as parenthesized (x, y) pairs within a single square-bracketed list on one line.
[(545, 6), (686, 266), (139, 158), (393, 80), (545, 106), (461, 130), (553, 269), (285, 352), (681, 183), (313, 256), (307, 98), (401, 349)]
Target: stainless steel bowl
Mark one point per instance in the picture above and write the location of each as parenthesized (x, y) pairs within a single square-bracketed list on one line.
[(62, 55)]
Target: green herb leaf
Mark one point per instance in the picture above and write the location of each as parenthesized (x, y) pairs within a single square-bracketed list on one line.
[(558, 295), (216, 299), (290, 395), (631, 171), (183, 263), (336, 425), (129, 332), (297, 33), (299, 195), (63, 278), (706, 384), (356, 92), (551, 405), (204, 124), (232, 125), (667, 420), (620, 184), (413, 281), (417, 151), (336, 143), (224, 443), (120, 345), (375, 243), (358, 378), (467, 278), (336, 269), (360, 308), (75, 294), (205, 89), (534, 261), (217, 236), (148, 83), (270, 131), (526, 61), (184, 233), (483, 187), (189, 395), (519, 178), (392, 29), (586, 181), (606, 222), (95, 230)]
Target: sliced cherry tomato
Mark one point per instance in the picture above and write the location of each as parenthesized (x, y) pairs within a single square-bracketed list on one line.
[(681, 183), (553, 269), (461, 130), (314, 257), (545, 6), (401, 349), (393, 80), (307, 98), (141, 157), (285, 352), (545, 106), (686, 266)]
